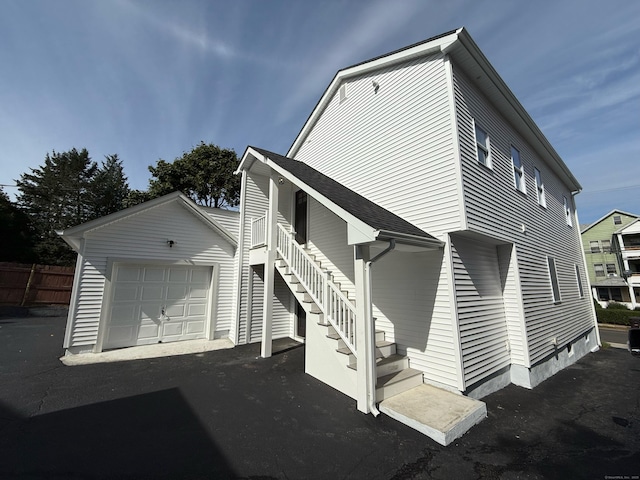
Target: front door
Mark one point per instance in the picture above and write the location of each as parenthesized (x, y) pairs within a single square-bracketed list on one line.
[(300, 222)]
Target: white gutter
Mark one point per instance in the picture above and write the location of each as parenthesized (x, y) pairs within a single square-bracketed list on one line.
[(371, 338)]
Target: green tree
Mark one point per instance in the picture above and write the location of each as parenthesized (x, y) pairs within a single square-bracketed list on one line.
[(205, 174), (134, 197), (16, 233), (56, 196), (109, 187)]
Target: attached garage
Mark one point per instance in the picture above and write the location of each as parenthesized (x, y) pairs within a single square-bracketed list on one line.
[(162, 271)]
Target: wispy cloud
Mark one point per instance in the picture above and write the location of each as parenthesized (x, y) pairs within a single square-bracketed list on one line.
[(379, 21)]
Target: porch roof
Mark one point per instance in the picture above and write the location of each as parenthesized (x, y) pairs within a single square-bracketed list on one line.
[(386, 224)]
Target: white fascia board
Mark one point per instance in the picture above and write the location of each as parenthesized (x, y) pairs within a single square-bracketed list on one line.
[(357, 230), (246, 161), (483, 63), (423, 49), (408, 239)]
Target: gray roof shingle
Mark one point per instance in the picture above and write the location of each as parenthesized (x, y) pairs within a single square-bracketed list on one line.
[(360, 207)]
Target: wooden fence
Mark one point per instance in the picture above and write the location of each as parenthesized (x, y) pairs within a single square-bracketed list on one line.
[(27, 285)]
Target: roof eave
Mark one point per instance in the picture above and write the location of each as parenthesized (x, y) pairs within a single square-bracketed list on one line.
[(407, 239)]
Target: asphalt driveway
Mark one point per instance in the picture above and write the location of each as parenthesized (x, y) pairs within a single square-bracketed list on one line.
[(229, 414)]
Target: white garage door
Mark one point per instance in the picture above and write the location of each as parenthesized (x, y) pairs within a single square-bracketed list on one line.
[(155, 303)]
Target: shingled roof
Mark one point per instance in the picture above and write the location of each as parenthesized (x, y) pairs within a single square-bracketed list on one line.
[(360, 207)]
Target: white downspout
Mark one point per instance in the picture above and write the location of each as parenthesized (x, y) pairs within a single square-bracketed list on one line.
[(371, 337)]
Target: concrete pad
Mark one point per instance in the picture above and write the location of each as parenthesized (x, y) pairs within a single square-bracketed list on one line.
[(441, 415), (147, 351)]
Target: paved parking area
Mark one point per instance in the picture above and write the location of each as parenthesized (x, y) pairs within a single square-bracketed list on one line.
[(229, 414)]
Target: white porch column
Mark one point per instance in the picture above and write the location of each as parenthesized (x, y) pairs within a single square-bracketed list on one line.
[(364, 349), (269, 269)]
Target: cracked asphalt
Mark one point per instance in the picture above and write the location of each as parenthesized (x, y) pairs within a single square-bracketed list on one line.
[(229, 414)]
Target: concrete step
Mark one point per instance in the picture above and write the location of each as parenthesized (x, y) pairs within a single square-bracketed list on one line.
[(441, 415), (397, 382)]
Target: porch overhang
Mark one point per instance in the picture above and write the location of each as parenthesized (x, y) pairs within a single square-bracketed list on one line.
[(359, 231)]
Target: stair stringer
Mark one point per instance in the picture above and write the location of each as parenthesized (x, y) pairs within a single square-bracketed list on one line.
[(322, 361)]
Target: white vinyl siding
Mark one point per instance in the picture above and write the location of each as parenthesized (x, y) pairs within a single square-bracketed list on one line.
[(400, 138), (282, 319), (484, 338), (495, 209), (144, 237), (412, 305)]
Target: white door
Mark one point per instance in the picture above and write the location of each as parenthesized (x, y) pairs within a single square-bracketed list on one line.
[(158, 303)]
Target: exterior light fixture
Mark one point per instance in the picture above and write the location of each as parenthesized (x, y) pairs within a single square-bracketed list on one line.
[(171, 243), (280, 180)]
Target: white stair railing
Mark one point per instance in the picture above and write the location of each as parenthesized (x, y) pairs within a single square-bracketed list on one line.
[(337, 308), (258, 231)]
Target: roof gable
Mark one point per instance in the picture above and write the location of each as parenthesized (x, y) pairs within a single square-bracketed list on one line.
[(607, 216), (73, 235), (466, 55)]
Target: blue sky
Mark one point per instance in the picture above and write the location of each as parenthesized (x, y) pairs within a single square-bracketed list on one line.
[(150, 79)]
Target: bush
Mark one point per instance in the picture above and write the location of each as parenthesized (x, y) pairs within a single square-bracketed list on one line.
[(615, 316), (617, 306)]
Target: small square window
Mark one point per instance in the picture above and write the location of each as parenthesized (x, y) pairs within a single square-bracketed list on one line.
[(542, 201), (482, 147), (606, 246), (518, 170), (611, 269), (617, 220), (599, 269), (595, 246)]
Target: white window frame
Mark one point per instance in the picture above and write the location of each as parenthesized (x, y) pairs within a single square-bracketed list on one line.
[(617, 220), (567, 211), (607, 269), (486, 149), (518, 170), (542, 198), (599, 270), (553, 280), (606, 246), (594, 246), (579, 281)]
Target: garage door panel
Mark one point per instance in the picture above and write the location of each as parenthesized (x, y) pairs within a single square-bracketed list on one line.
[(126, 292), (198, 292), (121, 336), (177, 292), (195, 327), (200, 276), (178, 276), (128, 274), (152, 292), (125, 314), (148, 331), (195, 309), (173, 328), (174, 311), (154, 274)]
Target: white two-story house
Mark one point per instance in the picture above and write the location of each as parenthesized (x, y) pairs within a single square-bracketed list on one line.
[(420, 230)]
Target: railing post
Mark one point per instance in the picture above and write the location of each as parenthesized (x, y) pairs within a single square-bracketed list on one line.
[(326, 295)]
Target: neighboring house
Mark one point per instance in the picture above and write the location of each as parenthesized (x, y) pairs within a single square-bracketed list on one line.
[(613, 257), (420, 230)]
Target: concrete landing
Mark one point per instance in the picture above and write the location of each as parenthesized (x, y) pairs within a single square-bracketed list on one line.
[(147, 351), (441, 415)]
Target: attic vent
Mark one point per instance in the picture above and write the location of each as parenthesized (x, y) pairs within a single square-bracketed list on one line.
[(343, 93)]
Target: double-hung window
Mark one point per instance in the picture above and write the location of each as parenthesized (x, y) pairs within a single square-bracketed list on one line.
[(599, 269), (553, 278), (595, 246), (617, 220), (579, 281), (611, 269), (482, 147), (518, 170), (542, 201), (606, 246), (567, 211)]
